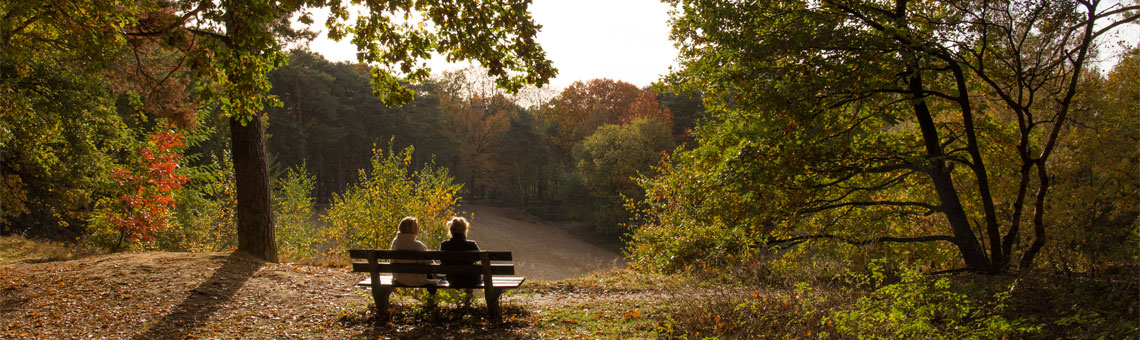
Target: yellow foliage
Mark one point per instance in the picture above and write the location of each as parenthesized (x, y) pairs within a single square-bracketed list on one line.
[(366, 215)]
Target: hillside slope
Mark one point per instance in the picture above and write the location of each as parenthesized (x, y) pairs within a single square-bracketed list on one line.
[(542, 250)]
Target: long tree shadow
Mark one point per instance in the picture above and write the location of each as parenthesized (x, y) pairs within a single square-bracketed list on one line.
[(202, 301)]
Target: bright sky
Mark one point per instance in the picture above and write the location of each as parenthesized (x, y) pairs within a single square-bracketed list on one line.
[(625, 40)]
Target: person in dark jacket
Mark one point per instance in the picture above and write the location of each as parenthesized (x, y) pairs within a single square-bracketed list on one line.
[(458, 227)]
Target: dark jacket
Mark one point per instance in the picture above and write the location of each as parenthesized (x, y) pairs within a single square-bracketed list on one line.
[(460, 243)]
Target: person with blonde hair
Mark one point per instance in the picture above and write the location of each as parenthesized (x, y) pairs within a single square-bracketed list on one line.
[(409, 229), (458, 228)]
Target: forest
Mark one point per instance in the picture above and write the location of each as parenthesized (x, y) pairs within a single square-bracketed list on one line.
[(831, 169)]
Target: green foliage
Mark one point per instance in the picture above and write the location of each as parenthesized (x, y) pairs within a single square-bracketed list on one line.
[(855, 122), (605, 165), (202, 219), (1096, 218), (678, 224), (59, 130), (367, 214), (497, 34), (297, 235), (207, 209), (919, 307)]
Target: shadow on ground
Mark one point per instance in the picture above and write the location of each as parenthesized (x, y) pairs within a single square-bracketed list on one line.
[(203, 301), (445, 321)]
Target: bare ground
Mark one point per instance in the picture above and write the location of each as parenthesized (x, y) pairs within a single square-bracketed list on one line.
[(543, 250)]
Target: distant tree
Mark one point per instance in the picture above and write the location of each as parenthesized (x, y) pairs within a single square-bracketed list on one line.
[(477, 123), (528, 158), (605, 166), (584, 106), (647, 106), (687, 111), (1098, 171)]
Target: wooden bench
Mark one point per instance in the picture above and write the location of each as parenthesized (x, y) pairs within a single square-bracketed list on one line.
[(377, 264)]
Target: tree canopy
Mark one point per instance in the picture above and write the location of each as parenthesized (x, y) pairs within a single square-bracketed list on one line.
[(868, 122)]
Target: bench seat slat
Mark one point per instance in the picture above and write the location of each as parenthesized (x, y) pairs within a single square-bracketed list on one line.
[(417, 268), (505, 282), (428, 254)]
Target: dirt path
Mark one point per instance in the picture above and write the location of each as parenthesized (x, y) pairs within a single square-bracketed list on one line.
[(542, 250)]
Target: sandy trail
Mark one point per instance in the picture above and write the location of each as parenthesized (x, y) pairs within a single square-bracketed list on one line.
[(542, 250)]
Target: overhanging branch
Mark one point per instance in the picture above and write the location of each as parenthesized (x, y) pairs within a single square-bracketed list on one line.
[(785, 243), (930, 208)]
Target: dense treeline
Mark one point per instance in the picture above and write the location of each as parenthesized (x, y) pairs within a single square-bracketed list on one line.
[(577, 150), (551, 155)]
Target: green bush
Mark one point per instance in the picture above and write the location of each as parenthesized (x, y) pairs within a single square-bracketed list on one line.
[(606, 164), (206, 214), (297, 235), (920, 307), (366, 216)]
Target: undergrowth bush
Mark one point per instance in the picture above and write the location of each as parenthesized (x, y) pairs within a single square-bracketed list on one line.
[(297, 235), (921, 307), (879, 302), (207, 210), (759, 314), (199, 213), (366, 215)]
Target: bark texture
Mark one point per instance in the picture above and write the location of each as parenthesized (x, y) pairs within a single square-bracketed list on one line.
[(255, 221)]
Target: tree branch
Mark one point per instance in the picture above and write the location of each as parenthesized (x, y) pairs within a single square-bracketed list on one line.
[(930, 208), (786, 243), (215, 35)]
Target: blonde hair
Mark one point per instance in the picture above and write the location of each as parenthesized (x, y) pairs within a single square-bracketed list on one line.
[(410, 225), (457, 226)]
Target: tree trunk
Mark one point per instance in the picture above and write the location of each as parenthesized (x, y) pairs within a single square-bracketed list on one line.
[(255, 222), (940, 173), (1038, 218), (978, 165)]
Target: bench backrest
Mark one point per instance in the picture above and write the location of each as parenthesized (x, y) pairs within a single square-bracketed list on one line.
[(379, 261)]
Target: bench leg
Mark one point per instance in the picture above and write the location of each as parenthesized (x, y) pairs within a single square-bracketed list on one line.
[(492, 296), (381, 296)]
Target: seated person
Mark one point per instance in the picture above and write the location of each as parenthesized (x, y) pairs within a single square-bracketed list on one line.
[(457, 227), (406, 240)]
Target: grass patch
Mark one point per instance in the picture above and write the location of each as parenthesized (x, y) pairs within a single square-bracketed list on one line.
[(617, 281), (1036, 305), (16, 248)]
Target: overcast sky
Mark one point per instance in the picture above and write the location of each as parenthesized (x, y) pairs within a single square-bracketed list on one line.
[(618, 39)]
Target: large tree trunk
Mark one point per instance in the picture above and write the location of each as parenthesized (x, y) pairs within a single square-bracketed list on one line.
[(255, 222)]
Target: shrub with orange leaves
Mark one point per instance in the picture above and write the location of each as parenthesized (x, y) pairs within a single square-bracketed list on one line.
[(150, 188)]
